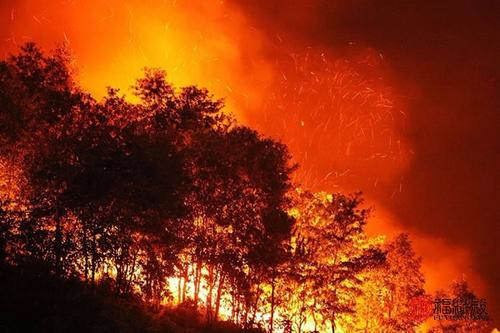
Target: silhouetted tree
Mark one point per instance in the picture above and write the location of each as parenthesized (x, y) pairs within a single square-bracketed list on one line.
[(37, 92), (120, 197), (239, 186)]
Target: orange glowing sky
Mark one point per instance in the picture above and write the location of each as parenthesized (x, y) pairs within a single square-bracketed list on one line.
[(341, 110), (197, 42)]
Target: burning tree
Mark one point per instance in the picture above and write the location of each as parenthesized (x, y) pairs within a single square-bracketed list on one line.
[(135, 195), (388, 292), (122, 189), (329, 252)]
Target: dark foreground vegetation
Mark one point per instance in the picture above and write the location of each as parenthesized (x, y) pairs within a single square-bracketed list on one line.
[(41, 302)]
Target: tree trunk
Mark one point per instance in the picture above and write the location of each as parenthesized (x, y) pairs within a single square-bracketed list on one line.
[(179, 301), (314, 316), (245, 316), (197, 282), (237, 311), (131, 271), (271, 319), (219, 295), (233, 305), (185, 282), (85, 253), (256, 305), (94, 258), (210, 286)]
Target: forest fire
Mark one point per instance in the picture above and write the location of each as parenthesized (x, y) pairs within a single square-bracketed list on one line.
[(240, 210)]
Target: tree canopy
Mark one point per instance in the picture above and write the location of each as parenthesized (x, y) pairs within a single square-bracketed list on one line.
[(170, 200)]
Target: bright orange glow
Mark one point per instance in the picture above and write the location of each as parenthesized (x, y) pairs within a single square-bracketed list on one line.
[(197, 42)]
